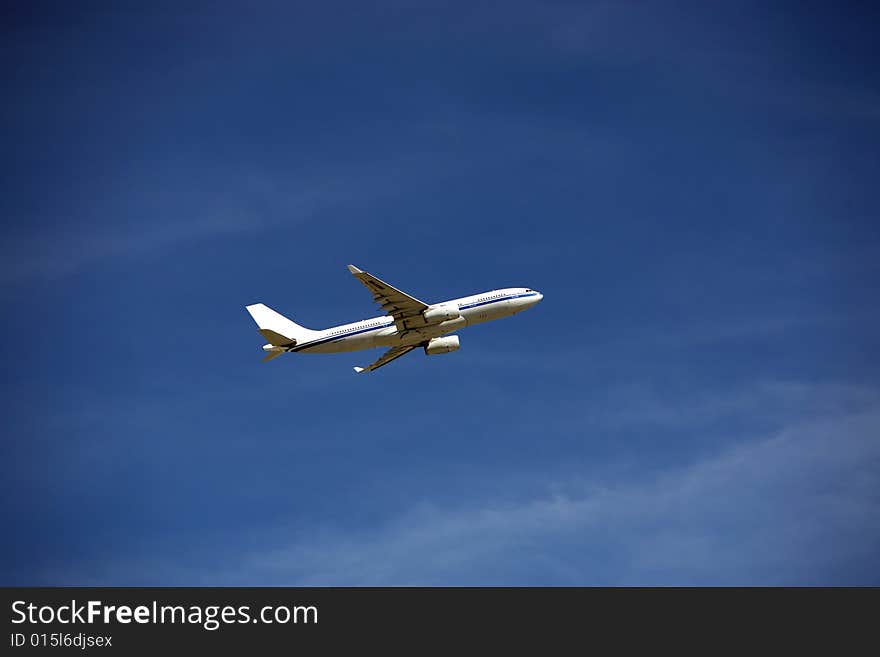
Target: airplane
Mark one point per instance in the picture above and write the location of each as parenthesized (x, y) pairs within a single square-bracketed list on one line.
[(408, 324)]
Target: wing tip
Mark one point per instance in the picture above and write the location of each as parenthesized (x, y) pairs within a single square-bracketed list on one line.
[(359, 369), (354, 270)]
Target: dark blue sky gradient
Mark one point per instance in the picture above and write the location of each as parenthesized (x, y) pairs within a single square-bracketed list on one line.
[(693, 187)]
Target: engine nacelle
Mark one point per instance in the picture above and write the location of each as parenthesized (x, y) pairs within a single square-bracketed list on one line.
[(441, 313), (442, 345)]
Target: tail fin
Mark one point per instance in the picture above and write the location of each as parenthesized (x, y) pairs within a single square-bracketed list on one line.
[(276, 328)]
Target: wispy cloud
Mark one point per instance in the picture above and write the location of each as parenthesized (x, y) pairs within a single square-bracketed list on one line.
[(799, 505), (143, 215), (719, 521)]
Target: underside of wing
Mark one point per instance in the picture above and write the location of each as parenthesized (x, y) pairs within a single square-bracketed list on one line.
[(392, 354), (398, 304)]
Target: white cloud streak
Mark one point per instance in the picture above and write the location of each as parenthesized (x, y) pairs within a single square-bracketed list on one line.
[(801, 506), (138, 221), (798, 506)]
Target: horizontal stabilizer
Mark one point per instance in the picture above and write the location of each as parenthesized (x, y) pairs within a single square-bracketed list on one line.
[(276, 339), (282, 333)]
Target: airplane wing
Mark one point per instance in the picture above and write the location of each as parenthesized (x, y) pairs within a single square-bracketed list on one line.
[(399, 305), (392, 354)]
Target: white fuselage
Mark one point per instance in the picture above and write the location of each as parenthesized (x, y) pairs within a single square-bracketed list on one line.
[(383, 332)]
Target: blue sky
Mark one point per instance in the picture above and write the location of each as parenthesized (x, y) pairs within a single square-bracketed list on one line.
[(693, 187)]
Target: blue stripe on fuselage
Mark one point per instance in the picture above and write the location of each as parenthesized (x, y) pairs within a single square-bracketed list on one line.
[(507, 298), (331, 338)]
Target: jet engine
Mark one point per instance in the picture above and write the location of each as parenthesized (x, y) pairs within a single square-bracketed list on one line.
[(441, 313), (442, 345)]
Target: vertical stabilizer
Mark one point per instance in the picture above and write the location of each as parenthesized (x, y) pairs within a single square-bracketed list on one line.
[(276, 328)]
